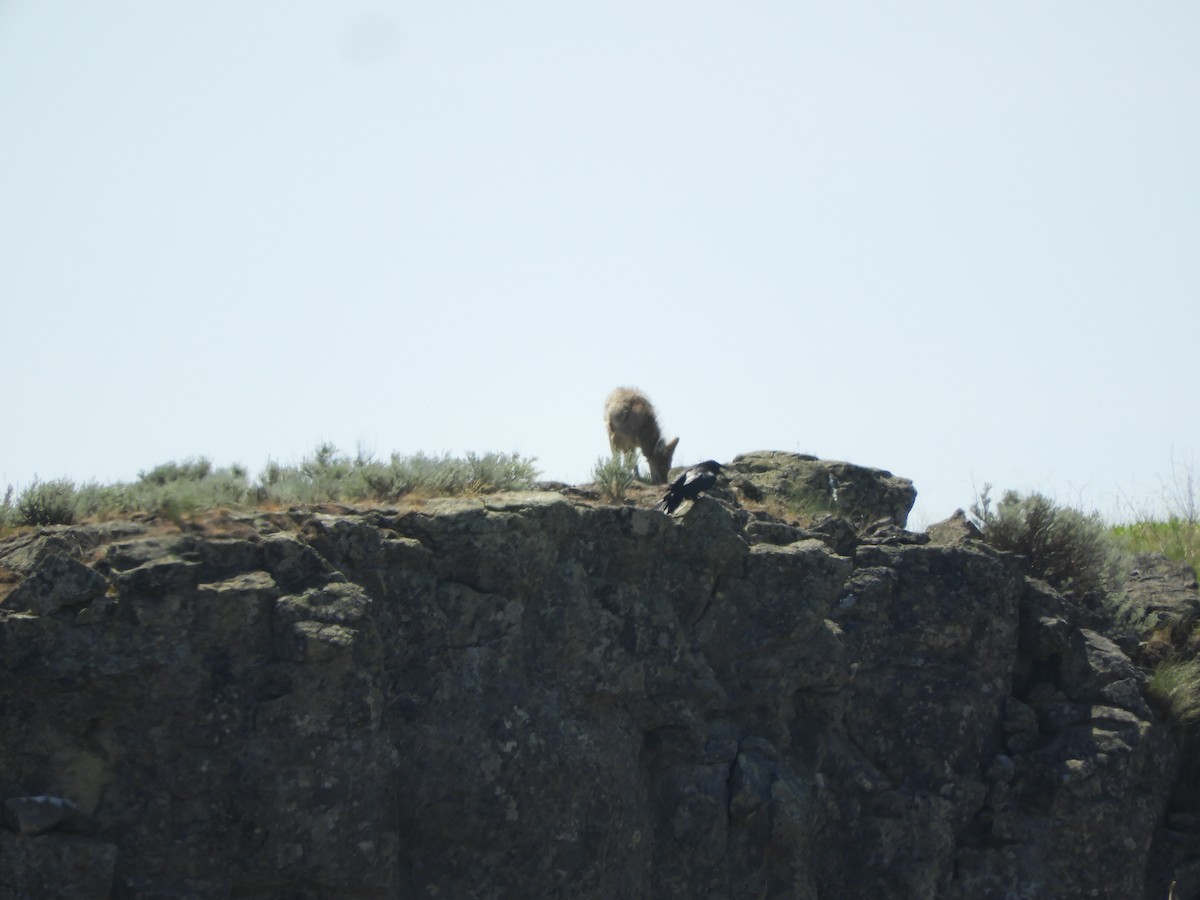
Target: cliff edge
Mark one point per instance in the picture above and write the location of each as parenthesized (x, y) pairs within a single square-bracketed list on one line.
[(539, 695)]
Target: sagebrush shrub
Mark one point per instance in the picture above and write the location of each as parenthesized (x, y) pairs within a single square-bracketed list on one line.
[(8, 512), (47, 503), (1068, 549), (616, 474), (329, 476), (177, 490), (189, 470)]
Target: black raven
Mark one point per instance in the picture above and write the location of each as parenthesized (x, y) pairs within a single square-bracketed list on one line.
[(690, 485)]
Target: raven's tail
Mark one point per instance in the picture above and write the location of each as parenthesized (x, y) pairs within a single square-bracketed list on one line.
[(669, 503)]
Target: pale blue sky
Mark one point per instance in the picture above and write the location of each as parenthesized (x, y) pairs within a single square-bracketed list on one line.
[(960, 241)]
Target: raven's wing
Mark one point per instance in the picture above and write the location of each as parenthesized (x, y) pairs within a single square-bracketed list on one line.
[(687, 486), (671, 497), (697, 481)]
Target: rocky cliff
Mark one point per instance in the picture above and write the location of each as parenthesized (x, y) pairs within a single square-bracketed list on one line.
[(539, 695)]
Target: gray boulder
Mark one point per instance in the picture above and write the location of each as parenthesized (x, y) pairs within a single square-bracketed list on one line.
[(863, 495)]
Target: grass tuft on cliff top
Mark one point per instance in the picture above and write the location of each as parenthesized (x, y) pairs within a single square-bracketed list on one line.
[(1175, 688), (1177, 538), (181, 489)]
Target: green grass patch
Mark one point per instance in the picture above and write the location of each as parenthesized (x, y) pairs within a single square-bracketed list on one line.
[(1176, 538)]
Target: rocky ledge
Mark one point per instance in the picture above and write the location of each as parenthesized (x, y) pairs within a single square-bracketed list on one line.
[(536, 695)]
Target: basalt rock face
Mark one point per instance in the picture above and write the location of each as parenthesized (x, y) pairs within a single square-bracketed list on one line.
[(531, 696), (1161, 592)]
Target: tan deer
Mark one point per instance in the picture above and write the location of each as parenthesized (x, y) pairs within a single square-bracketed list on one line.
[(633, 425)]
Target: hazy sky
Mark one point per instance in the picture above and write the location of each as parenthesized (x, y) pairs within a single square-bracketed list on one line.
[(959, 241)]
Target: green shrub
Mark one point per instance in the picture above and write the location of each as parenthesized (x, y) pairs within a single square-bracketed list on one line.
[(1068, 549), (8, 511), (193, 469), (329, 477), (493, 472), (178, 490), (105, 501), (615, 475), (327, 465), (47, 503), (325, 476), (172, 490)]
